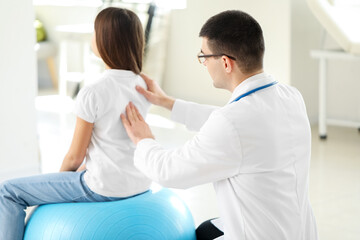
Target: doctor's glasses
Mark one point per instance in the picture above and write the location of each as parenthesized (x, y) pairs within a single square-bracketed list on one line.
[(202, 57)]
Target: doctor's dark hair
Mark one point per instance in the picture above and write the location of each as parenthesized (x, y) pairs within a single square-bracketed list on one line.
[(120, 39), (237, 34)]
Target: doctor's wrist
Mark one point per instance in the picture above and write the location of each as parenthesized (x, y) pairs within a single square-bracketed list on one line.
[(168, 102)]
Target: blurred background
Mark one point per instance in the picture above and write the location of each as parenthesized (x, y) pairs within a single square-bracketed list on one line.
[(45, 58)]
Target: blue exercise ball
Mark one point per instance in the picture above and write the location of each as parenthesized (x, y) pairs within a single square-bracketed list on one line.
[(152, 215)]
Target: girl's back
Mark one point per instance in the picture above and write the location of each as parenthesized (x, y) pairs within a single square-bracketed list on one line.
[(109, 159)]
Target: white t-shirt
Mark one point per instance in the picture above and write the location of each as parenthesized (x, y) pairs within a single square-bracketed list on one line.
[(256, 151), (109, 158)]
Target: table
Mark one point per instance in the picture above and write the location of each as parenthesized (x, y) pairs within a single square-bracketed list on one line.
[(324, 56)]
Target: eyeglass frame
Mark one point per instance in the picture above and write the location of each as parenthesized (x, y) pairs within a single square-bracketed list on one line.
[(212, 55)]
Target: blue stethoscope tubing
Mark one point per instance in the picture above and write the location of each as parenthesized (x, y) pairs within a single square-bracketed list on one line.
[(254, 90)]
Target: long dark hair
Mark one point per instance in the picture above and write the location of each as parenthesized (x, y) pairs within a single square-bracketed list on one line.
[(120, 39)]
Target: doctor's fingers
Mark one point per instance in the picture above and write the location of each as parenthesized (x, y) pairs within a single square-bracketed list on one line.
[(153, 87), (125, 121), (147, 94), (137, 113), (149, 82), (130, 114)]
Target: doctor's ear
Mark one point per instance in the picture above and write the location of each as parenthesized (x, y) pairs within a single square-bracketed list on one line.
[(227, 64)]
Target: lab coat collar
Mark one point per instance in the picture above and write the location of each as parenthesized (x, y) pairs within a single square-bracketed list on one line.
[(251, 83)]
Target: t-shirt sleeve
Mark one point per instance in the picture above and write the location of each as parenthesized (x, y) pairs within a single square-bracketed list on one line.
[(86, 105)]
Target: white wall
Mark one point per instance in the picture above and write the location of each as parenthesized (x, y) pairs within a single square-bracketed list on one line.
[(18, 142), (306, 34), (290, 32), (185, 78), (343, 76)]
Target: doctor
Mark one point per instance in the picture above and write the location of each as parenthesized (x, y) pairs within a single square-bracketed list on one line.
[(255, 150)]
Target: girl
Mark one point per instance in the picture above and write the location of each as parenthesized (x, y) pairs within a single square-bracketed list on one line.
[(99, 134)]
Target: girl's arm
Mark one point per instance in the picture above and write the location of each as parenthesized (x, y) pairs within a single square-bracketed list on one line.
[(79, 144)]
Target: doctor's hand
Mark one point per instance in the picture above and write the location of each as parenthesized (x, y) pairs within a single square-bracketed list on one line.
[(155, 94), (136, 127)]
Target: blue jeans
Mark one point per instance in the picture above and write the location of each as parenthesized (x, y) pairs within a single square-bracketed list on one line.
[(17, 194)]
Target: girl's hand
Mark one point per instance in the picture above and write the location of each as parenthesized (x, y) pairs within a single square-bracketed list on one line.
[(81, 168)]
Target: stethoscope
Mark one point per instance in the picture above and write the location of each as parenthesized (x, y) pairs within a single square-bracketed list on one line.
[(254, 90)]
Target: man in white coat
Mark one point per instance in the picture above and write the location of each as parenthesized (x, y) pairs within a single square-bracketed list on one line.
[(255, 150)]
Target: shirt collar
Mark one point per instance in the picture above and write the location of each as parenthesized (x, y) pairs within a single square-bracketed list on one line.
[(119, 73), (251, 83)]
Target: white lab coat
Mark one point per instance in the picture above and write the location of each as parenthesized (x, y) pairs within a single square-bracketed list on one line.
[(256, 151)]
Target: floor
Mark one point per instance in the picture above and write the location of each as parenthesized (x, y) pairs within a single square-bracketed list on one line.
[(335, 183), (334, 174)]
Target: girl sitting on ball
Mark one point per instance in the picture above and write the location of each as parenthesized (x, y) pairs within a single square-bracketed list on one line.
[(99, 135)]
